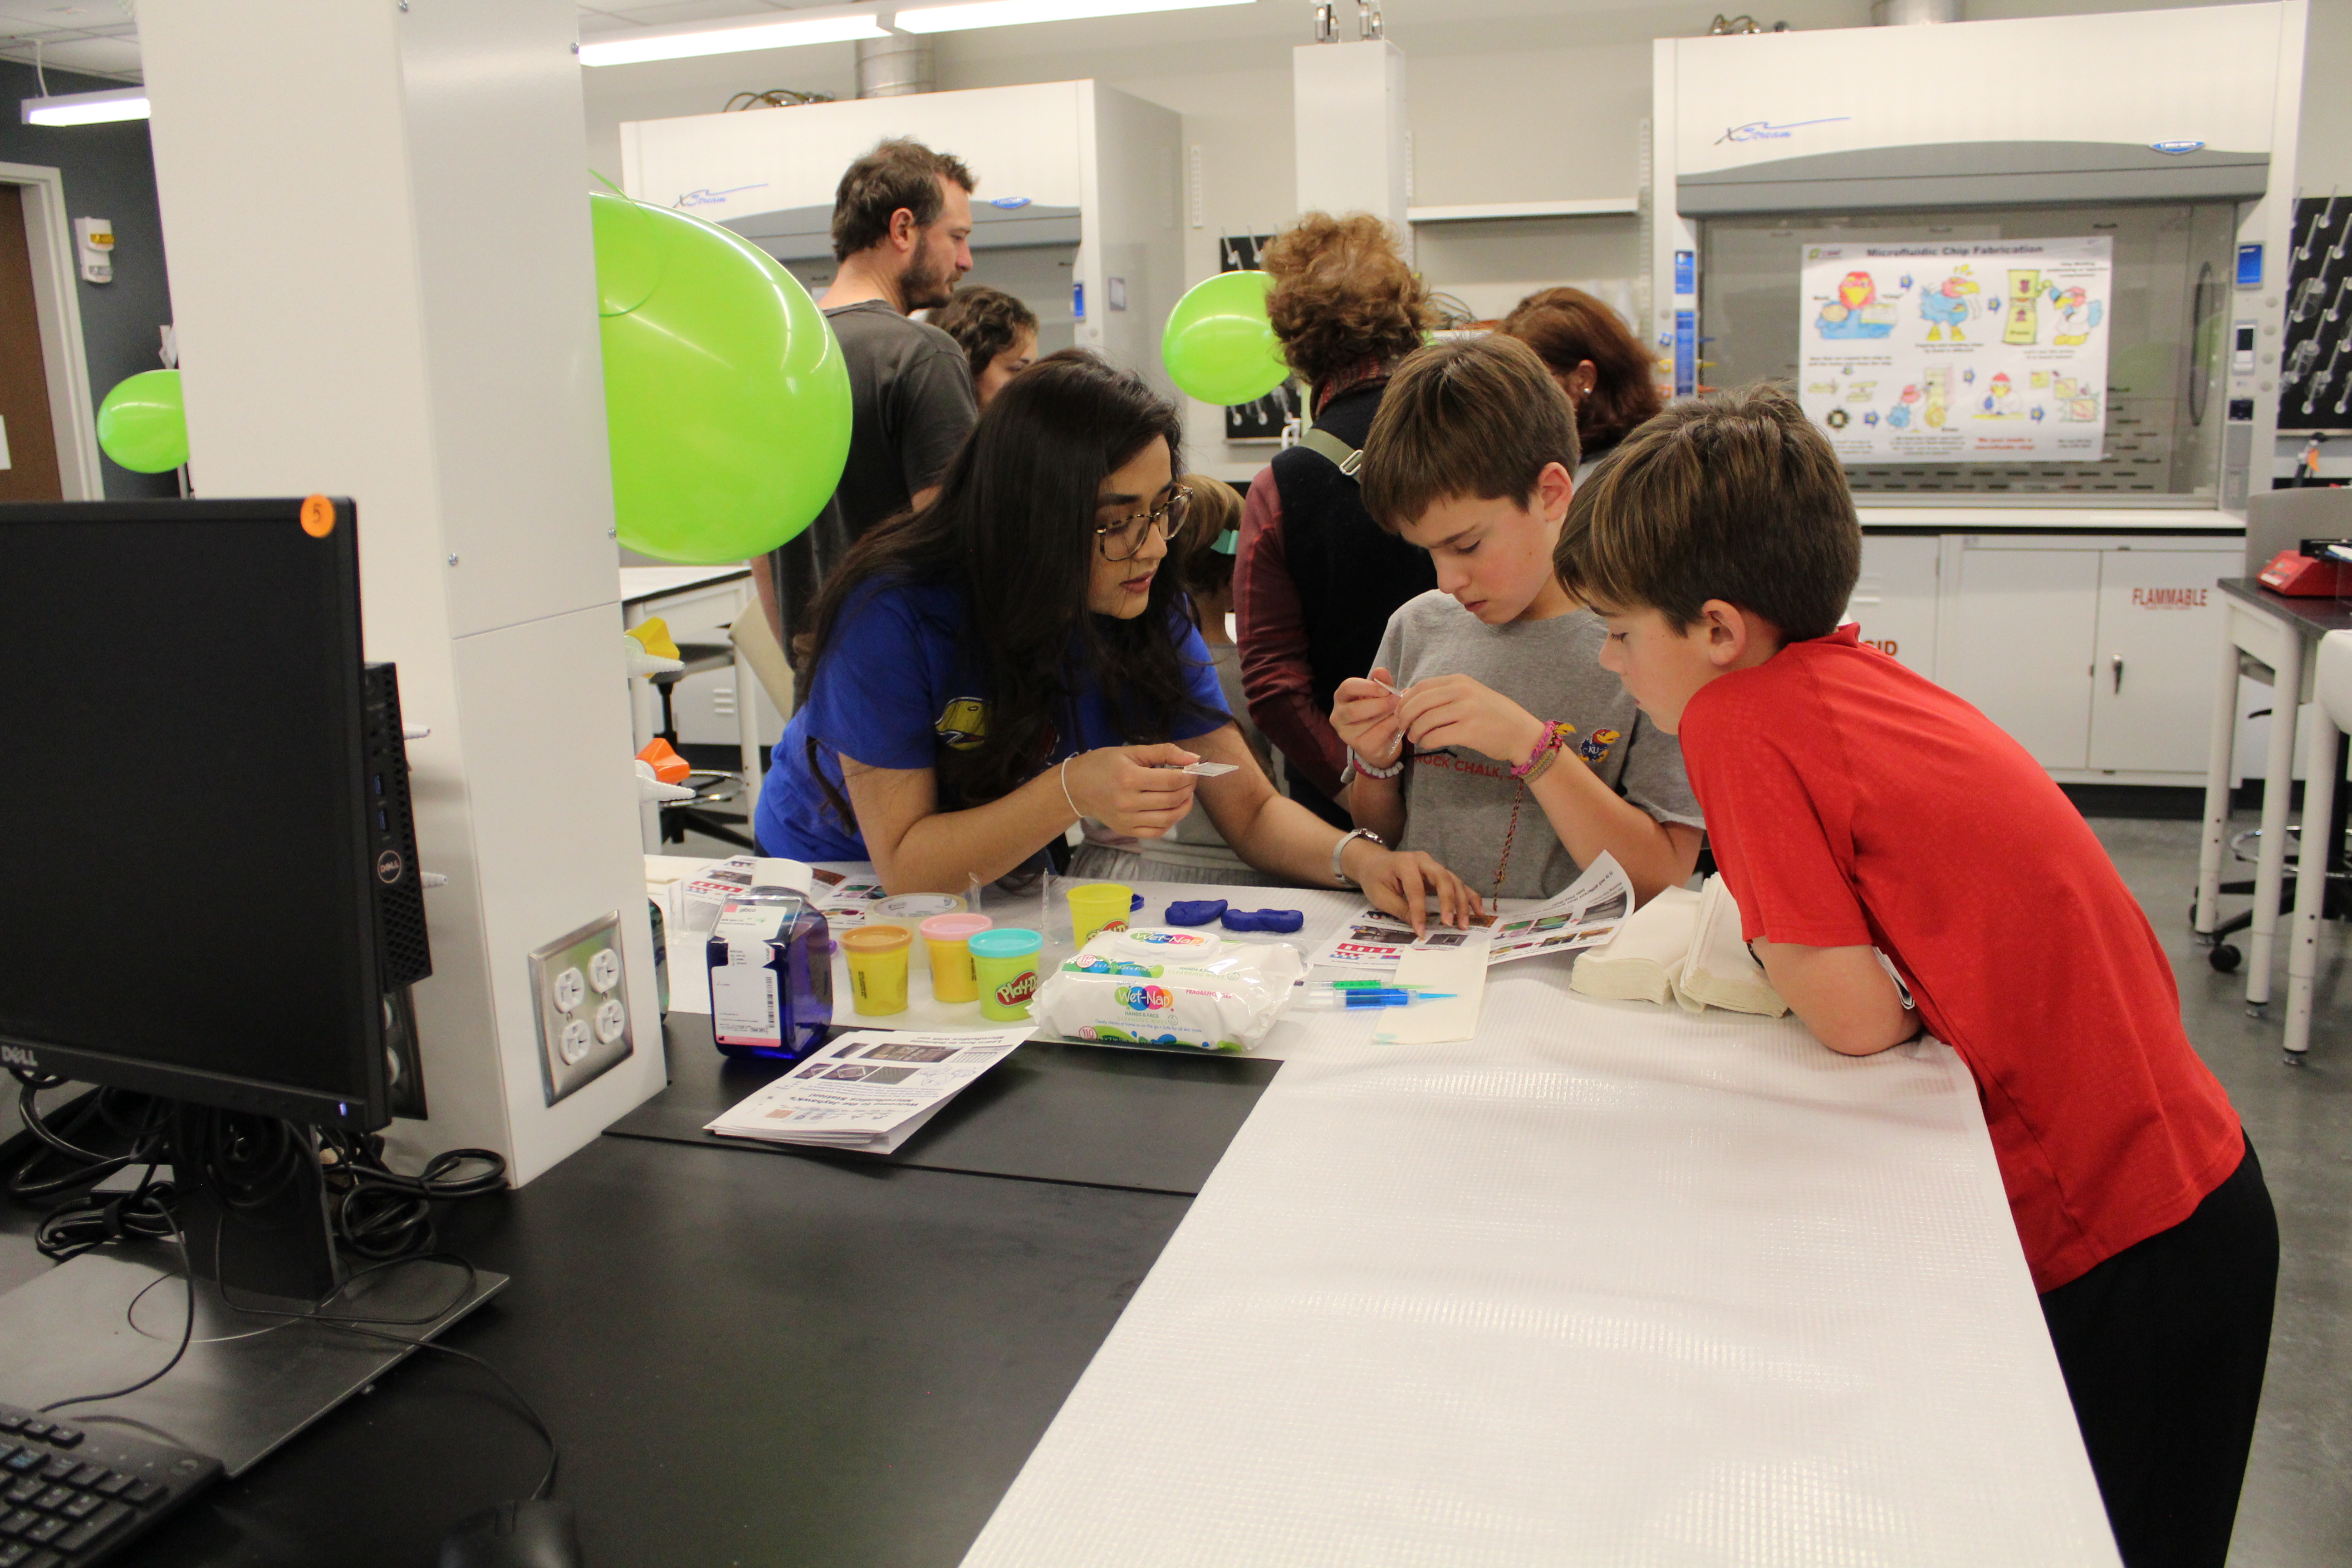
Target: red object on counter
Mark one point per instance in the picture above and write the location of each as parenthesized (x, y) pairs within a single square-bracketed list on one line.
[(2299, 576)]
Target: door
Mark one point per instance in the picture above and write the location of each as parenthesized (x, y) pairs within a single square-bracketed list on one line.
[(2024, 628), (1894, 601), (2152, 687), (28, 446)]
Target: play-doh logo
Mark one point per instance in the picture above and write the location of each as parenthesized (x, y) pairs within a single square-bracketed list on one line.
[(1017, 991), (1142, 999)]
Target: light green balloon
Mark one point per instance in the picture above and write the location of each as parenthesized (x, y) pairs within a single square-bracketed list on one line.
[(726, 398), (144, 425), (1219, 345)]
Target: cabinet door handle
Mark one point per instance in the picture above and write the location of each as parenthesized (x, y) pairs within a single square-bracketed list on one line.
[(2117, 663)]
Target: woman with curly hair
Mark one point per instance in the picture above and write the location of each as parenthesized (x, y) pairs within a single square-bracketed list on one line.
[(997, 332), (1317, 579), (1597, 360)]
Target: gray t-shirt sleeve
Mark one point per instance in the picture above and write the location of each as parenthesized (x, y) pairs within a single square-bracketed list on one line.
[(937, 409), (1391, 647), (1653, 778)]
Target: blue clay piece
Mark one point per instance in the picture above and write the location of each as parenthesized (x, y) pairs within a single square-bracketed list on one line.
[(1199, 912), (1134, 902), (1278, 921)]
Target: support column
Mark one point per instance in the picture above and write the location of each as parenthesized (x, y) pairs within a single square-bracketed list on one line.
[(1349, 100), (380, 261)]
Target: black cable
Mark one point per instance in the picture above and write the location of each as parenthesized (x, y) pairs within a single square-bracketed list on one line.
[(380, 1212), (546, 1488), (58, 1142), (144, 1194)]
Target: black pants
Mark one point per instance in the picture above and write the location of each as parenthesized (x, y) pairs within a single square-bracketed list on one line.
[(2163, 1347)]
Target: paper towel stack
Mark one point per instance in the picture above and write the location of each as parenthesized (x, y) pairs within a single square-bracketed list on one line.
[(1683, 947)]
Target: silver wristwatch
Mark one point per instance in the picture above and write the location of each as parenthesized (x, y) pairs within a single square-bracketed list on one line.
[(1341, 848)]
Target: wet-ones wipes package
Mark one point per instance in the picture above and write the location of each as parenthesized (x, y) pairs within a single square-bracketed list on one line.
[(1160, 986)]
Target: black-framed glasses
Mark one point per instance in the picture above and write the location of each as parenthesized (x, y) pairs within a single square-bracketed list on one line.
[(1121, 540)]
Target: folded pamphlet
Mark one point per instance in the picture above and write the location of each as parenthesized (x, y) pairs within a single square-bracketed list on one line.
[(1595, 905), (870, 1091)]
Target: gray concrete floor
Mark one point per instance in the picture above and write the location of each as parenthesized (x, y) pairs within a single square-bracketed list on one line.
[(2296, 1510)]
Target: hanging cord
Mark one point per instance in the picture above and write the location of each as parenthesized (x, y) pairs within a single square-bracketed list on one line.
[(381, 1214), (130, 1117)]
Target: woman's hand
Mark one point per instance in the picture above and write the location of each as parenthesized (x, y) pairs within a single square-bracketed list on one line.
[(1456, 711), (1365, 715), (1400, 881), (1135, 791)]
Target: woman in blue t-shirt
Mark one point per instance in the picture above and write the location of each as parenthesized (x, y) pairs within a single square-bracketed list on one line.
[(985, 672)]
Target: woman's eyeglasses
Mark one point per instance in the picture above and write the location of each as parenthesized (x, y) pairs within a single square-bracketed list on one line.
[(1121, 540)]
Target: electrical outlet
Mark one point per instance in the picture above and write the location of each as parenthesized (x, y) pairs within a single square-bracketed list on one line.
[(582, 997)]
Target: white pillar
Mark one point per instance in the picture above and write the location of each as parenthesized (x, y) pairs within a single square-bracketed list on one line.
[(1349, 102), (383, 279)]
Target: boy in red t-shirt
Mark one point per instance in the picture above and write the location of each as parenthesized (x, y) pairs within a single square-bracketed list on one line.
[(1858, 810)]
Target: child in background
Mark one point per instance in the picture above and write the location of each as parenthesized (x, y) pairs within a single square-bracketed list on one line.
[(1488, 735), (1193, 850), (997, 332), (1859, 810)]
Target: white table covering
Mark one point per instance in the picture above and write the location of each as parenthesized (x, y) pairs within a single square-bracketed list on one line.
[(1611, 1285)]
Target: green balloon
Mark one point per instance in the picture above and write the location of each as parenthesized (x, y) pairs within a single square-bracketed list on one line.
[(726, 397), (1219, 345), (144, 425)]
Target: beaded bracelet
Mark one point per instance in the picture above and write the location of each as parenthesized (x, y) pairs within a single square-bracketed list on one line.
[(1555, 736), (1356, 763)]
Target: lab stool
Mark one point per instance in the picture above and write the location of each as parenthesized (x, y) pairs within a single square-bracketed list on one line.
[(710, 787)]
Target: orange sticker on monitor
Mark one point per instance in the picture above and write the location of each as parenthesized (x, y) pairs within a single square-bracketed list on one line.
[(318, 516)]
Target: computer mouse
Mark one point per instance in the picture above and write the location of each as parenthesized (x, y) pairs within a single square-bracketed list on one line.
[(527, 1535)]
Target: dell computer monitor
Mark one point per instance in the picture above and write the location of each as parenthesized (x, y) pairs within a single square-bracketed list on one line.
[(189, 854)]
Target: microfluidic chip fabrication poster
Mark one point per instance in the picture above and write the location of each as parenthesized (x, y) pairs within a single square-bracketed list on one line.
[(1987, 350)]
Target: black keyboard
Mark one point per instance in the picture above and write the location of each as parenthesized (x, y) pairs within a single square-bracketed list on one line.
[(71, 1494)]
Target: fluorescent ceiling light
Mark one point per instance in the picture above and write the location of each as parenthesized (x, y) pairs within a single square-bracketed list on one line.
[(1010, 13), (87, 107), (632, 47)]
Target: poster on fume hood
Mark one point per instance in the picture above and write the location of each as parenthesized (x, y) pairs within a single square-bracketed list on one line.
[(1970, 352)]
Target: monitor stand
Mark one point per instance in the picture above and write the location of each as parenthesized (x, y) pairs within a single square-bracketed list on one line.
[(277, 1340)]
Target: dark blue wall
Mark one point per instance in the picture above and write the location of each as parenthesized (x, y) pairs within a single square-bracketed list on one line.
[(109, 173)]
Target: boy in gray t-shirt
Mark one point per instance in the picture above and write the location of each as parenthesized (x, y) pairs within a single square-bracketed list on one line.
[(1462, 806), (1489, 735)]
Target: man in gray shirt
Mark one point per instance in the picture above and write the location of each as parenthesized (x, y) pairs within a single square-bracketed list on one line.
[(901, 232)]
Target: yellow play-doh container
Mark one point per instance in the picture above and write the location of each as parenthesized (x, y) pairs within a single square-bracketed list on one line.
[(1097, 907), (948, 940), (1004, 962), (878, 968)]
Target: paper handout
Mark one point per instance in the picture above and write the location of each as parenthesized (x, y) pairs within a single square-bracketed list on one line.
[(868, 1091), (1587, 912)]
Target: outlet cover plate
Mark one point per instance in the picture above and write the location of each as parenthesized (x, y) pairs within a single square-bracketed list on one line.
[(583, 1027)]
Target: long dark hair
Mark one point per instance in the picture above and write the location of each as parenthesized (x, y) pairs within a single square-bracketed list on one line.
[(1014, 527)]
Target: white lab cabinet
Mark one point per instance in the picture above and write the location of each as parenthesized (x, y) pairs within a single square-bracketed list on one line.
[(2025, 625), (1895, 602), (2152, 680), (1077, 213), (2095, 652)]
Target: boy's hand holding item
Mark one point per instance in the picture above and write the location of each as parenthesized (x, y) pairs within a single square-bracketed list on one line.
[(1366, 714), (1456, 711), (1140, 791)]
